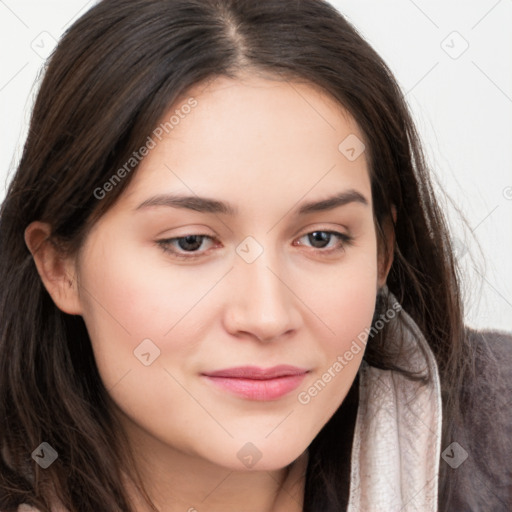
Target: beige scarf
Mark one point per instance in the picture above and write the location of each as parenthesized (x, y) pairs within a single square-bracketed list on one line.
[(397, 439)]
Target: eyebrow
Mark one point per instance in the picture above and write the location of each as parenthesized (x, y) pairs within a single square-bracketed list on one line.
[(208, 205)]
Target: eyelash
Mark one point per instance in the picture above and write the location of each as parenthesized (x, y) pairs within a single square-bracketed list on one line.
[(344, 240)]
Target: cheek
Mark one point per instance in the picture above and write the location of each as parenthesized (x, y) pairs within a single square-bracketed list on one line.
[(347, 309), (128, 300), (355, 307), (344, 298), (140, 308)]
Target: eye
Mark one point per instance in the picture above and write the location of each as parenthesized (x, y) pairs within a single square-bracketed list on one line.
[(184, 246), (193, 246), (327, 241)]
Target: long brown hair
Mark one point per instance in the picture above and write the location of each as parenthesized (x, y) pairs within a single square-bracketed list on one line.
[(112, 76)]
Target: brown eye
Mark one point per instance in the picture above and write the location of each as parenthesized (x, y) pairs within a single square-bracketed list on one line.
[(190, 242), (184, 246), (319, 239), (327, 241)]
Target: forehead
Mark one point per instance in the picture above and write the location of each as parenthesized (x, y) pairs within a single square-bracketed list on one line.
[(253, 137)]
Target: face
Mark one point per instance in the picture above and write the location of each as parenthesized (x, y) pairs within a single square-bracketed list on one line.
[(223, 329)]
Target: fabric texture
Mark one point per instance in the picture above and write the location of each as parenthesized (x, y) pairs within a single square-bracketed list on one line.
[(397, 439), (483, 482)]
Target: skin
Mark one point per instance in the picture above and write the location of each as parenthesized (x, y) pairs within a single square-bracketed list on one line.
[(266, 147)]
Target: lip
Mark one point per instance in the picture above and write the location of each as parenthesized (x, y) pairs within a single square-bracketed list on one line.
[(254, 383)]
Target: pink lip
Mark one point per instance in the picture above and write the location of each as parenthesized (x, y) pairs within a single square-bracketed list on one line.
[(256, 383)]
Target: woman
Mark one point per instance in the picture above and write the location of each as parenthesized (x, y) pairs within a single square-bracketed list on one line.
[(227, 283)]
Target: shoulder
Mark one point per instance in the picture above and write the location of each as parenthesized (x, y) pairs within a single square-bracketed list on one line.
[(493, 353), (497, 343), (485, 433), (490, 384), (490, 380)]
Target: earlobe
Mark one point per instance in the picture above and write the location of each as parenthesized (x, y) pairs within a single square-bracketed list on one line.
[(56, 270)]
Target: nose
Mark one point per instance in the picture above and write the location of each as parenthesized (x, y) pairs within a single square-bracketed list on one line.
[(262, 303)]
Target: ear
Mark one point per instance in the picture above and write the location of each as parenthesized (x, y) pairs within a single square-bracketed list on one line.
[(384, 264), (57, 272)]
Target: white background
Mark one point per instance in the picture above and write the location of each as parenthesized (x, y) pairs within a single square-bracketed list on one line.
[(461, 99)]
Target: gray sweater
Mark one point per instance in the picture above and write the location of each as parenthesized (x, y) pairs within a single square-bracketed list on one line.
[(484, 480)]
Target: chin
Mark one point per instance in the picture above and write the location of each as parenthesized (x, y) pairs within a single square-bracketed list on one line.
[(260, 455)]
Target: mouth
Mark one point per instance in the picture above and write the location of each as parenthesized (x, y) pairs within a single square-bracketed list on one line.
[(253, 383)]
